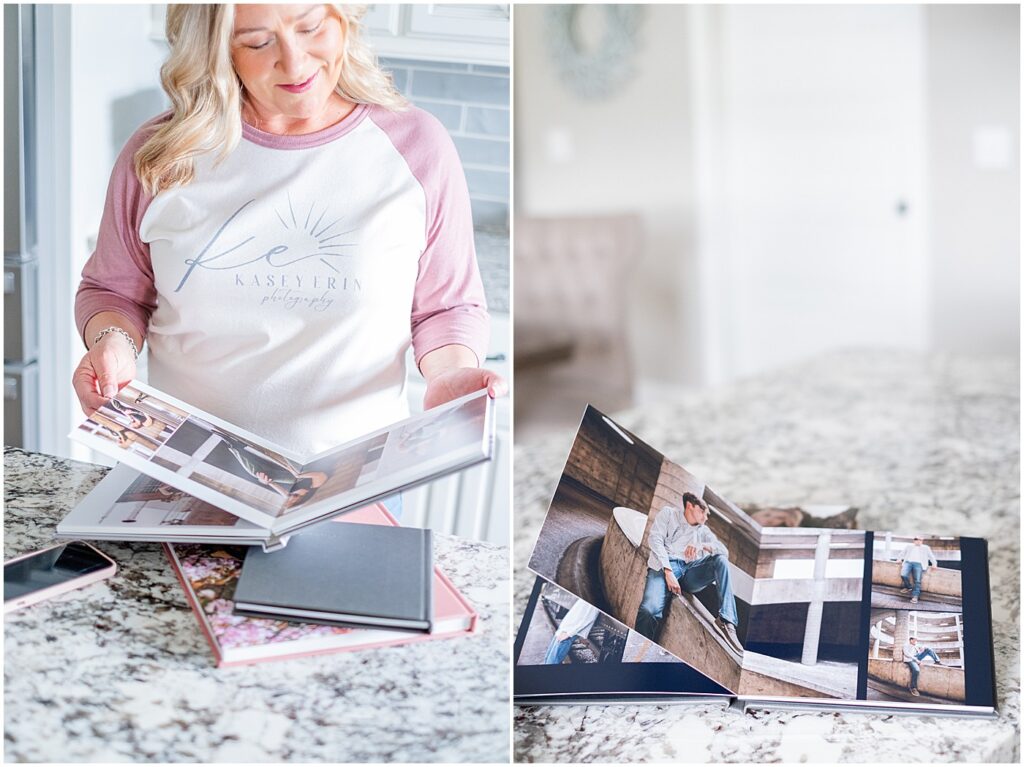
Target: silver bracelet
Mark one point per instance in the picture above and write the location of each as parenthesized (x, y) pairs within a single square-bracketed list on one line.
[(122, 331)]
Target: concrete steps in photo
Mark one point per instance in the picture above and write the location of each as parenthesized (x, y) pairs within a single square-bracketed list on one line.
[(765, 675)]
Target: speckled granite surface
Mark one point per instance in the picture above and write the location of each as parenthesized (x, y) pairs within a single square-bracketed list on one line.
[(119, 671), (929, 443)]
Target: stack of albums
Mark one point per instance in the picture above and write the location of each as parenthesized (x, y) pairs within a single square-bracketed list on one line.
[(753, 614)]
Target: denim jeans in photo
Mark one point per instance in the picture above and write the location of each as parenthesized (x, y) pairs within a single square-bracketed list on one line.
[(557, 650), (693, 577), (915, 667), (916, 569)]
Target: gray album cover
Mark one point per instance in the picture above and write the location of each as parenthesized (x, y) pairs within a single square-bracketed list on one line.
[(373, 575)]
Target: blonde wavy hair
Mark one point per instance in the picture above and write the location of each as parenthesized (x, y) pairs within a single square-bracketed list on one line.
[(206, 94)]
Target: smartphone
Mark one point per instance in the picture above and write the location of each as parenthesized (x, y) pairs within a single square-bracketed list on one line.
[(40, 575)]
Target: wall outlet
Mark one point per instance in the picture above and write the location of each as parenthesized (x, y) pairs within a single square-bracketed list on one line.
[(559, 146), (993, 147)]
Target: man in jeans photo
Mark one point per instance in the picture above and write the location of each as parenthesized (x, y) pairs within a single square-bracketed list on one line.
[(917, 559), (912, 656), (686, 556), (576, 623)]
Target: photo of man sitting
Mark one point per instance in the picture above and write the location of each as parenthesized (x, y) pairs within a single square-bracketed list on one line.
[(686, 556), (912, 656)]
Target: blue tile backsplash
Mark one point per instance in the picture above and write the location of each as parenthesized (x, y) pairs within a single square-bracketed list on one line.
[(461, 86), (487, 121), (472, 102)]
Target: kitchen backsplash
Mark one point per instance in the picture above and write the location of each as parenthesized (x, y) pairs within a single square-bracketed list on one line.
[(472, 101)]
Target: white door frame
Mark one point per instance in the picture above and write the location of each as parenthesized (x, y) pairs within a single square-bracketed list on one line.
[(52, 146)]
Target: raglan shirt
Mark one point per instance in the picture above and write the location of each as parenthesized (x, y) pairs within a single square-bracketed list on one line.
[(280, 289), (671, 534)]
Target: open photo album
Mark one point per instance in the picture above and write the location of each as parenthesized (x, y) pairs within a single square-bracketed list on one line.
[(642, 563), (185, 475)]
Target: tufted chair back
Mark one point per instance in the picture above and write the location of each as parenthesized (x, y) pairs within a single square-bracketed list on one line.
[(570, 274), (571, 280)]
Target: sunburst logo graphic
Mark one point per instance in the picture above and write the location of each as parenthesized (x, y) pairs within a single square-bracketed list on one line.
[(311, 238)]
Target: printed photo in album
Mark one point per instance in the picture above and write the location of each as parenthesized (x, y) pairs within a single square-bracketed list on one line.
[(567, 651)]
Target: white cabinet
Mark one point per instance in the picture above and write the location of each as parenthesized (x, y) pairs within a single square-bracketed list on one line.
[(476, 33), (483, 22), (382, 21), (473, 503), (471, 33)]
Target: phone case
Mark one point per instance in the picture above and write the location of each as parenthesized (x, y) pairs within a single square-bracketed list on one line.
[(60, 588)]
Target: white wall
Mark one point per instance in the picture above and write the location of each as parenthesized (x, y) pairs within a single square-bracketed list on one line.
[(768, 149), (629, 152), (113, 61), (115, 86), (974, 233)]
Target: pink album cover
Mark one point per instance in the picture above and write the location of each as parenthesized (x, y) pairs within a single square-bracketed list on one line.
[(209, 573)]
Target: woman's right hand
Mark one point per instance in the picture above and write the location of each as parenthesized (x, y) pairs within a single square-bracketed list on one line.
[(104, 369)]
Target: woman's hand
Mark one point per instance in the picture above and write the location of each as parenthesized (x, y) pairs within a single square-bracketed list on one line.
[(455, 382), (451, 372), (104, 369)]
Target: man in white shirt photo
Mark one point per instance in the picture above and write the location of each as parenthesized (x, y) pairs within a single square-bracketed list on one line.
[(576, 623), (686, 556), (917, 558), (912, 655)]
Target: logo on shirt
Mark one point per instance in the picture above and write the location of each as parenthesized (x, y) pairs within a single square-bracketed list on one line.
[(303, 237)]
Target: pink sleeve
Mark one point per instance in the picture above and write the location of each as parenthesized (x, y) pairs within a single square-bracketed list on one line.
[(118, 277), (448, 304)]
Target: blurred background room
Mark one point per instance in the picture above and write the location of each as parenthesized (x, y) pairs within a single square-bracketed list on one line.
[(78, 81), (708, 193)]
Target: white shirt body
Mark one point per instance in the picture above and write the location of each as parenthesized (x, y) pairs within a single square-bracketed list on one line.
[(921, 554), (579, 620)]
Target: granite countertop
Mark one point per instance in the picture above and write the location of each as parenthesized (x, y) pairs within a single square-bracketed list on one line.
[(916, 442), (119, 671)]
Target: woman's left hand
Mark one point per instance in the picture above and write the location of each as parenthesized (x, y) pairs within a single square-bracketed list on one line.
[(452, 383)]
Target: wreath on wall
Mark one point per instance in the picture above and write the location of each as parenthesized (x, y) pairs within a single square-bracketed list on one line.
[(594, 72)]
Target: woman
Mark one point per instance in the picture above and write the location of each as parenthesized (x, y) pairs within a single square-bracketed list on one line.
[(282, 235)]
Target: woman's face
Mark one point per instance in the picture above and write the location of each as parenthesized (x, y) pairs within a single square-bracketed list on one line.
[(288, 57)]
